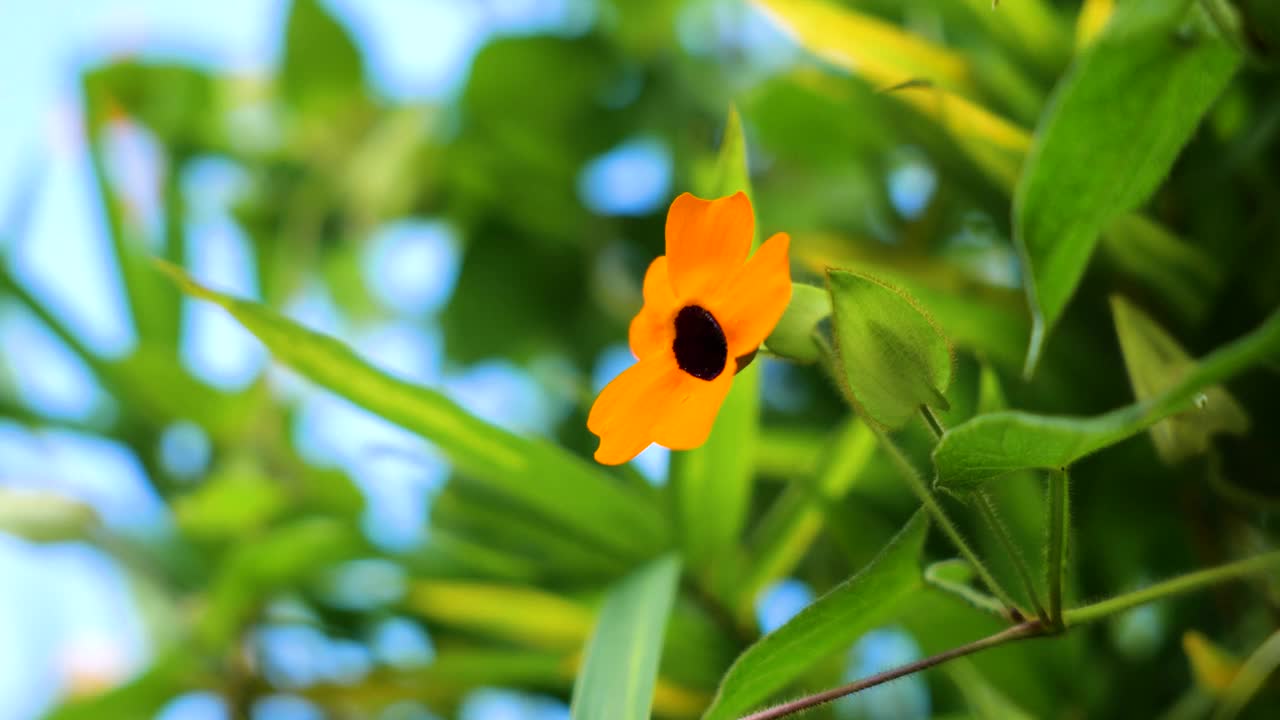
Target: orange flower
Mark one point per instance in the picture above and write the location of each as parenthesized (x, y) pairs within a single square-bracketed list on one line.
[(706, 310)]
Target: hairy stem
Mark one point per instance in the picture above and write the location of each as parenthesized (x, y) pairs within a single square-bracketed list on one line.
[(1034, 628), (1021, 631), (1057, 527), (987, 509), (939, 515)]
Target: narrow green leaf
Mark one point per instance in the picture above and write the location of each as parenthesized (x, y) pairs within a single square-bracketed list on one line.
[(894, 358), (1155, 362), (1185, 277), (545, 620), (542, 478), (169, 676), (830, 625), (1129, 104), (620, 668), (713, 483), (998, 443), (229, 505)]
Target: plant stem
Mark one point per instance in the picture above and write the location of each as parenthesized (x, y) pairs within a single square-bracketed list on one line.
[(1021, 631), (1175, 586), (932, 421), (939, 515), (1034, 628), (1057, 527), (987, 509)]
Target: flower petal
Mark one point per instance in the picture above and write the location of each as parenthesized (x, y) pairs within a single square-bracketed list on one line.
[(687, 426), (751, 302), (653, 328), (629, 407), (707, 240)]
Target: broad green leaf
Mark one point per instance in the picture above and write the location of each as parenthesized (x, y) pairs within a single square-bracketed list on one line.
[(1155, 362), (828, 626), (991, 445), (794, 337), (894, 359), (321, 66), (520, 614), (1129, 104), (864, 45), (540, 477), (43, 516), (713, 483), (793, 522), (620, 665)]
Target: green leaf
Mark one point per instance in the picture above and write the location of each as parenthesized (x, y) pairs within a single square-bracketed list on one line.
[(42, 516), (229, 504), (788, 530), (1129, 104), (322, 65), (545, 620), (794, 337), (713, 483), (991, 445), (830, 625), (620, 668), (1155, 362), (286, 557), (894, 358), (1184, 276), (541, 478)]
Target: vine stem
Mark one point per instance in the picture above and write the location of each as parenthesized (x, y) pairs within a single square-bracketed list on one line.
[(1058, 524), (1034, 628), (1022, 631)]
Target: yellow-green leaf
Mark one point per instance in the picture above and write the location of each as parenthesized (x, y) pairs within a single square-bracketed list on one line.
[(1155, 362)]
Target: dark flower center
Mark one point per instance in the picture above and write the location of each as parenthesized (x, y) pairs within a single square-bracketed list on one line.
[(700, 345)]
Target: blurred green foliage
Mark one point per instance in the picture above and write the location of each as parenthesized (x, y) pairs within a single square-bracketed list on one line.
[(1073, 155)]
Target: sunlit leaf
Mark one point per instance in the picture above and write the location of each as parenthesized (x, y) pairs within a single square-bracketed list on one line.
[(1155, 362), (322, 65), (536, 475), (1129, 104), (544, 620), (830, 625), (1212, 667), (620, 663), (229, 504), (997, 443), (42, 516), (865, 45), (893, 357)]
